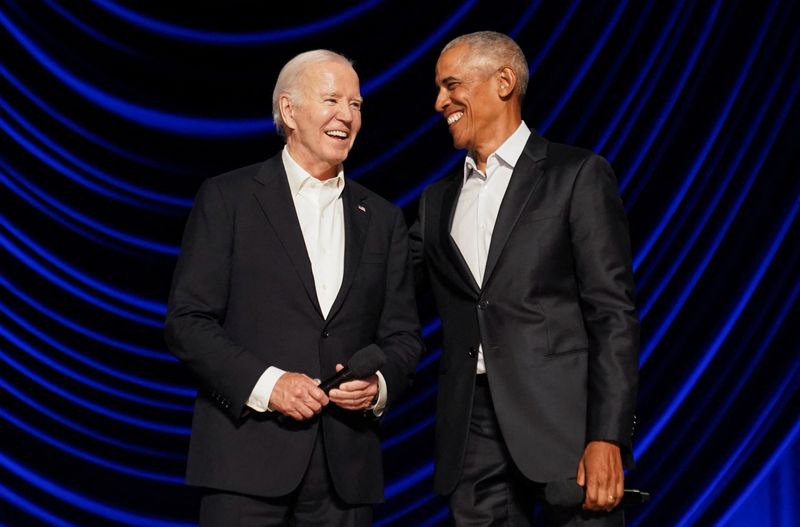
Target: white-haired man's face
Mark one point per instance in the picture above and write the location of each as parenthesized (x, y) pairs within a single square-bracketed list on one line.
[(322, 123)]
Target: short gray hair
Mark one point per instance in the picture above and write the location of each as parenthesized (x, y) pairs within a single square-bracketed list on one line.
[(493, 51), (288, 79)]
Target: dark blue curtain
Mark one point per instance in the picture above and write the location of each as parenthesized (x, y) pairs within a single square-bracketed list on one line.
[(114, 111)]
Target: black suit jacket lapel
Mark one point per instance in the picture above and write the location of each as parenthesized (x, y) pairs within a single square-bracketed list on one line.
[(356, 220), (449, 201), (275, 199), (524, 181)]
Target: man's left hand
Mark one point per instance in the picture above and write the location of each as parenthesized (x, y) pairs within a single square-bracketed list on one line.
[(600, 474), (355, 395)]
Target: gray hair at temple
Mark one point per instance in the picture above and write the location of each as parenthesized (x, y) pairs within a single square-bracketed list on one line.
[(492, 51), (289, 78)]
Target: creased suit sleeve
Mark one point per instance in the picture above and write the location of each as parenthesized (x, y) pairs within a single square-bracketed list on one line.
[(197, 304), (602, 253), (398, 329)]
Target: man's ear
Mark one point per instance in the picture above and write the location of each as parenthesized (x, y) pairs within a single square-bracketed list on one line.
[(287, 111), (506, 82)]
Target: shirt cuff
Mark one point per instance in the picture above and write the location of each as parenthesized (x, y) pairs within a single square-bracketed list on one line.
[(259, 397), (383, 396)]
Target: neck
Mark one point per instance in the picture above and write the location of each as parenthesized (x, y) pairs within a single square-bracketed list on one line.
[(495, 137), (317, 170)]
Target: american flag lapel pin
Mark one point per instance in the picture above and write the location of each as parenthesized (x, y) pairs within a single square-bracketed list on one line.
[(362, 208)]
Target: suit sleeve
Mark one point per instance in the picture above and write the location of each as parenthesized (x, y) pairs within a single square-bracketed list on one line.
[(398, 332), (197, 304), (602, 254)]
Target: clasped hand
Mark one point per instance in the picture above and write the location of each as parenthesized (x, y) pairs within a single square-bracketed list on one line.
[(298, 396)]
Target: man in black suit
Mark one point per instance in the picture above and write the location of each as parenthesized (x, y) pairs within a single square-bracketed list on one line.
[(286, 270), (528, 255)]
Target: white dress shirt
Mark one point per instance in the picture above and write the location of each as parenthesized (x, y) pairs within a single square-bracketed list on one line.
[(321, 215), (479, 203)]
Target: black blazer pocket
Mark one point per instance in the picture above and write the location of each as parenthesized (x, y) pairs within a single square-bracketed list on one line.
[(373, 258), (551, 356), (538, 215)]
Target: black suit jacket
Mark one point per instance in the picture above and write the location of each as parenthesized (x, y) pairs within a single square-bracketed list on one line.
[(555, 314), (243, 299)]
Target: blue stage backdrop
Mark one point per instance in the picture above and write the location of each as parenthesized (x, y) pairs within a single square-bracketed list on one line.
[(114, 111)]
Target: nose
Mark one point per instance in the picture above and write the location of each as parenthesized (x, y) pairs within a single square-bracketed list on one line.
[(345, 112), (442, 100)]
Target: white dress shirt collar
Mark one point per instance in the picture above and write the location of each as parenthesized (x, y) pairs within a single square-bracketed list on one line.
[(508, 152), (299, 178)]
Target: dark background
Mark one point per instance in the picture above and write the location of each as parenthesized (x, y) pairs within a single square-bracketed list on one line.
[(113, 112)]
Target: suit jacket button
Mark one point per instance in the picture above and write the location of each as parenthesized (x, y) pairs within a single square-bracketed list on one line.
[(472, 352), (325, 333), (482, 304)]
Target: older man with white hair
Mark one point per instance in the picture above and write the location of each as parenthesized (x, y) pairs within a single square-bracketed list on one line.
[(287, 269)]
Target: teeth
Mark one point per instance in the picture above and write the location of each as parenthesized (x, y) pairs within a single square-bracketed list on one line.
[(454, 117), (337, 133)]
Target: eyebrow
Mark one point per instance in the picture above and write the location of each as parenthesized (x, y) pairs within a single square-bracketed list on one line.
[(448, 80)]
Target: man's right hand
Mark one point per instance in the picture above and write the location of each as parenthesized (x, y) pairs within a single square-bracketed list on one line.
[(297, 396)]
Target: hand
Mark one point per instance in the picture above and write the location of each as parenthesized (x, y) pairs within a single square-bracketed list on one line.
[(355, 395), (600, 474), (297, 396)]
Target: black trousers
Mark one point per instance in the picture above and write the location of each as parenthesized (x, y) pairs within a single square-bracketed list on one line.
[(313, 503), (493, 492)]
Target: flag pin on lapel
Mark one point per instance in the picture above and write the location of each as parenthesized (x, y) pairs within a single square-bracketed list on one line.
[(362, 208)]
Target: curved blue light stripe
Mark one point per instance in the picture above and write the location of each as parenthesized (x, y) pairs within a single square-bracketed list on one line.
[(41, 195), (409, 403), (398, 147), (788, 440), (431, 327), (89, 30), (87, 381), (668, 105), (66, 286), (80, 501), (88, 456), (620, 58), (399, 437), (644, 73), (54, 213), (141, 351), (436, 518), (378, 80), (132, 447), (216, 37), (148, 117), (396, 487), (711, 138), (667, 320), (523, 19), (89, 405), (32, 508), (554, 36), (758, 429), (386, 520), (688, 385), (567, 93), (157, 308), (721, 411), (65, 170), (78, 178), (414, 193), (709, 207), (81, 131), (83, 358)]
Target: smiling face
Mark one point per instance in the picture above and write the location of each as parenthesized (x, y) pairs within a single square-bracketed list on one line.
[(468, 97), (323, 118)]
